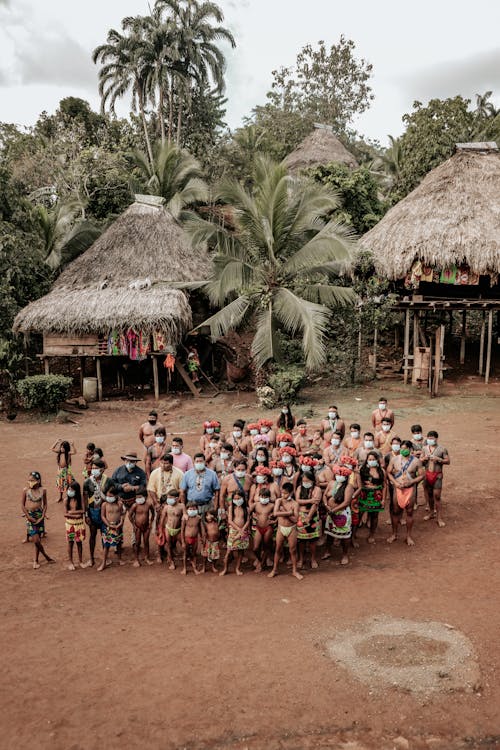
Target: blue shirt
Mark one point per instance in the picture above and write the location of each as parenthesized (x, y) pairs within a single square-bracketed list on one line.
[(208, 481), (136, 477)]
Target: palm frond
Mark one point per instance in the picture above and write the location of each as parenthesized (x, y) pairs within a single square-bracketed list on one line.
[(228, 318), (335, 242), (308, 318), (266, 344), (328, 295)]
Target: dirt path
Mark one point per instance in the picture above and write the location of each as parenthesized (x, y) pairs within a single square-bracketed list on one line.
[(143, 658)]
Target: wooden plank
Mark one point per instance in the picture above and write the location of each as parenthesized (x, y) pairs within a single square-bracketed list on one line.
[(488, 347), (156, 380), (99, 378), (481, 344), (82, 373), (187, 380), (46, 366), (437, 362), (406, 346), (462, 338)]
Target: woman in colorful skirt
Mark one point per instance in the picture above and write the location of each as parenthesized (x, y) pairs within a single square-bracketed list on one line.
[(308, 497), (74, 519), (371, 492), (64, 451), (337, 500), (34, 505)]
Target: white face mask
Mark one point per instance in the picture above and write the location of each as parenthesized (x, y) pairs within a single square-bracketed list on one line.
[(199, 466), (264, 430), (254, 432), (71, 493), (335, 442), (382, 407), (96, 472), (395, 447), (236, 434), (260, 480), (417, 436), (277, 471), (368, 443), (284, 411), (372, 463), (239, 474), (140, 500), (171, 500), (355, 434), (210, 430), (224, 456), (238, 501), (287, 459), (130, 465), (386, 427), (307, 485), (176, 451), (339, 478), (332, 414), (213, 446), (192, 512), (283, 443), (260, 458), (265, 500), (431, 441), (160, 439), (111, 498)]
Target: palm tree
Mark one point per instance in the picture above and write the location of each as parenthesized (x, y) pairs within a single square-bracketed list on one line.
[(199, 58), (386, 167), (484, 108), (64, 237), (175, 175), (273, 269), (123, 68)]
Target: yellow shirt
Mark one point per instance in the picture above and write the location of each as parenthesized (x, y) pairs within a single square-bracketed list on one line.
[(160, 482)]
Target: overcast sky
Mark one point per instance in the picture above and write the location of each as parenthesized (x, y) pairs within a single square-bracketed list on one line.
[(418, 50)]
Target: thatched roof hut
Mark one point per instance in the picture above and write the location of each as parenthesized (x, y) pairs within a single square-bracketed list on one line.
[(145, 247), (319, 148), (451, 218)]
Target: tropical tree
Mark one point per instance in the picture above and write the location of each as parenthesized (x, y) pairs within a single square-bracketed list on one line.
[(387, 165), (174, 174), (274, 268), (64, 237), (484, 108)]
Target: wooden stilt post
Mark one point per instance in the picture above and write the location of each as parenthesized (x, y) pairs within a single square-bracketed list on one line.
[(462, 339), (46, 366), (481, 344), (437, 362), (415, 330), (488, 347), (406, 352), (375, 345), (99, 378), (82, 373), (156, 380)]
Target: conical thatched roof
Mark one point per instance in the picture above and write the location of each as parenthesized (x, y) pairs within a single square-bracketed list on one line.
[(93, 295), (319, 148), (452, 217)]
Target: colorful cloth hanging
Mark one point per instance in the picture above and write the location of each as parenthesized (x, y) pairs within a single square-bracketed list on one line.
[(159, 342), (448, 275)]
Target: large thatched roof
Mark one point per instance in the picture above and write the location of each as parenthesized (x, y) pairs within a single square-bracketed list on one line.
[(93, 294), (319, 148), (452, 217)]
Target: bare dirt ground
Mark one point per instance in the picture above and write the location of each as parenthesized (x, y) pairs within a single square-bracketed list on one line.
[(144, 658)]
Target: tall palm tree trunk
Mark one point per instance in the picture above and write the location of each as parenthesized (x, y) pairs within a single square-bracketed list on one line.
[(161, 107), (145, 127)]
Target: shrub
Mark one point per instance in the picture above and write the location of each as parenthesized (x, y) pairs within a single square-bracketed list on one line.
[(44, 392), (286, 382)]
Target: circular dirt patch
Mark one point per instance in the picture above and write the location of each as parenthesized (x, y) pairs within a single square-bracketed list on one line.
[(415, 656)]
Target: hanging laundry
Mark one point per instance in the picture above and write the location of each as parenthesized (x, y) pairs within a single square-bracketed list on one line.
[(427, 273), (133, 344), (448, 275), (114, 344), (144, 345), (169, 362), (123, 345), (159, 342)]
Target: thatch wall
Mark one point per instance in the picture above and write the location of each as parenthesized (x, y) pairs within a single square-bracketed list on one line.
[(93, 296), (319, 148), (452, 217)]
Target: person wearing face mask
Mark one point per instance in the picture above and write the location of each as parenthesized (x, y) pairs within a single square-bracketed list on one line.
[(322, 472), (129, 479), (261, 510), (141, 515), (404, 471), (263, 480), (223, 463), (382, 411), (338, 523), (286, 512), (284, 439), (417, 439), (371, 491), (169, 527), (266, 431), (302, 441), (201, 486), (334, 450), (239, 480), (433, 458), (34, 508), (286, 420), (291, 473), (147, 429), (113, 516), (238, 539), (395, 449), (74, 522), (333, 423), (238, 440), (261, 459), (383, 439), (277, 469), (163, 479), (192, 535), (212, 451), (182, 460), (210, 428), (308, 497), (353, 441), (156, 451), (368, 445), (94, 491)]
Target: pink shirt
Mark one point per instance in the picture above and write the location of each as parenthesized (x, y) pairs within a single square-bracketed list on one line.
[(183, 462)]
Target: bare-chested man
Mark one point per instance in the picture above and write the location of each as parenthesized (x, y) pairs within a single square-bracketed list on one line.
[(239, 480), (303, 441), (147, 429), (262, 524), (171, 515), (353, 441), (333, 423), (434, 457), (404, 471), (383, 439), (286, 510), (379, 413), (141, 515)]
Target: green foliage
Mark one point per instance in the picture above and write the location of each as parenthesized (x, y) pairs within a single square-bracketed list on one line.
[(282, 129), (286, 382), (44, 392), (361, 206), (329, 85), (430, 138)]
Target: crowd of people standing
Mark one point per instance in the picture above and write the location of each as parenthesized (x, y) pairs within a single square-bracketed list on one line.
[(266, 494)]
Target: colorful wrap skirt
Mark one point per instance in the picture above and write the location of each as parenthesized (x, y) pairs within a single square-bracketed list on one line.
[(75, 529), (112, 537), (64, 478), (370, 500), (32, 527), (234, 541), (211, 550), (339, 525), (308, 530)]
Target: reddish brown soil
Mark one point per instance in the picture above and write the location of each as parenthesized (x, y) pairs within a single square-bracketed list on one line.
[(144, 658)]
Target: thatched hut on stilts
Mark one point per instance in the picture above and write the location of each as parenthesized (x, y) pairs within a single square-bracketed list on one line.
[(115, 301), (441, 245)]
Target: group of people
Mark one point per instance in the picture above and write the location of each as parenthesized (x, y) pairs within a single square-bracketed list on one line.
[(266, 493)]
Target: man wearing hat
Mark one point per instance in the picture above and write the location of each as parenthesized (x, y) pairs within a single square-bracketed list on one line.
[(129, 479)]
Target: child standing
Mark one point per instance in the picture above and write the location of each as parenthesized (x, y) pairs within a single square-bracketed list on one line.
[(74, 518), (191, 532), (112, 515), (239, 535), (262, 515), (170, 522), (286, 510), (64, 451), (211, 551), (87, 459), (34, 505), (141, 515)]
